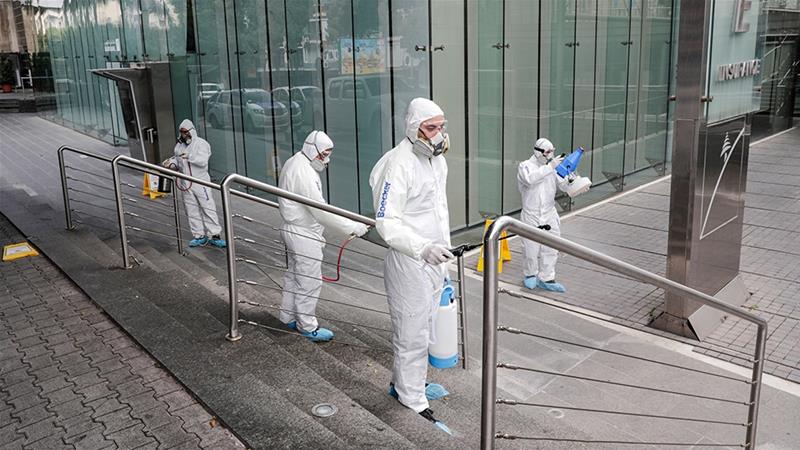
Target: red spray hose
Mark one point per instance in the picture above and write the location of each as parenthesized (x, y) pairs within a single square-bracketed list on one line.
[(339, 260), (174, 167)]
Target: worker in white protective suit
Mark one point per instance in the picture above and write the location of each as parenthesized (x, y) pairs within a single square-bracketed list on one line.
[(538, 182), (408, 189), (302, 233), (191, 158)]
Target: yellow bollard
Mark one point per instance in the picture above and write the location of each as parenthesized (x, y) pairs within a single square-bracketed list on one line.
[(505, 250), (149, 187)]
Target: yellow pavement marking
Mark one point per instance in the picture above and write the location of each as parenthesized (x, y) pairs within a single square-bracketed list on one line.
[(17, 251)]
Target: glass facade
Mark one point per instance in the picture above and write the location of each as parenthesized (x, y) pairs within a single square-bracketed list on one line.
[(780, 77), (257, 75)]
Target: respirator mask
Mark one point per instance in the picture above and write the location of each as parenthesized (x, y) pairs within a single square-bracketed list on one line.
[(437, 145), (184, 140), (542, 155), (319, 164)]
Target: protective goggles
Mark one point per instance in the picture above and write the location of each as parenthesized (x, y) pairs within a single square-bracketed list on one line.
[(325, 154), (432, 128)]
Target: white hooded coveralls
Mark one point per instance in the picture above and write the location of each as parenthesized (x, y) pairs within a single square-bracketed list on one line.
[(198, 200), (302, 232), (409, 195), (537, 183)]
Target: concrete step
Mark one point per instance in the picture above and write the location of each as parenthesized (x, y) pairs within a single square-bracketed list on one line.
[(268, 362), (154, 313), (351, 369), (299, 371), (271, 353), (262, 415)]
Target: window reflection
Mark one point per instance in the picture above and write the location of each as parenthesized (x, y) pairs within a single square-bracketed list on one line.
[(256, 77)]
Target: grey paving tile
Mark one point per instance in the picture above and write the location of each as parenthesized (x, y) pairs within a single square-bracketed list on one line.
[(66, 368)]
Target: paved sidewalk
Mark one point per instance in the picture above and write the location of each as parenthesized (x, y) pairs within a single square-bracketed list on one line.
[(633, 227), (72, 379)]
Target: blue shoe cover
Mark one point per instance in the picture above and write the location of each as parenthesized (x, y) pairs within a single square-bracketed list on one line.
[(434, 391), (428, 414), (292, 325), (530, 282), (440, 425), (551, 286), (318, 335), (198, 242), (219, 243)]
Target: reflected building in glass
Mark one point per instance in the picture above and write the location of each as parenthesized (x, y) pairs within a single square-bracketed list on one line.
[(256, 76)]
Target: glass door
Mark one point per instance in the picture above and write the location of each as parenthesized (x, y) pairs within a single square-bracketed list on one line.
[(651, 142), (558, 46), (373, 89), (342, 184), (257, 110), (522, 72), (611, 74), (303, 93), (410, 56), (215, 91), (450, 92), (485, 74), (585, 62), (633, 89)]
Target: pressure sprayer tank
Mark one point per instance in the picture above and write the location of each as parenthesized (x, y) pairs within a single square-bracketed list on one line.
[(443, 354), (570, 163)]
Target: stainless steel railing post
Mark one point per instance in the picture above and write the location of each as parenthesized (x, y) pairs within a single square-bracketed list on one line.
[(462, 311), (64, 191), (233, 326), (603, 260), (755, 390), (123, 235), (491, 254), (176, 207)]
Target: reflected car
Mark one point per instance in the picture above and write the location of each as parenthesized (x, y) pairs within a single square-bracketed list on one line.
[(207, 90), (373, 96), (299, 105), (258, 109)]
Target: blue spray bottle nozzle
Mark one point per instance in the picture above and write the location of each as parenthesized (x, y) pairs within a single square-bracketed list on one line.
[(570, 163), (448, 292)]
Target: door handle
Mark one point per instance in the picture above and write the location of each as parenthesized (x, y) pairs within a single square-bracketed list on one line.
[(440, 47), (421, 48)]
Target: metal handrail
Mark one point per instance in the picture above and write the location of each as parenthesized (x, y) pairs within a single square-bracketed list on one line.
[(233, 295), (163, 171), (490, 286), (63, 171), (226, 191)]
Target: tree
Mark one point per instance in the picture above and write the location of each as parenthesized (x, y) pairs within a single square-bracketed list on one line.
[(7, 75)]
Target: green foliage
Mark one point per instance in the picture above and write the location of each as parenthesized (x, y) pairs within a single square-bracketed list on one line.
[(7, 72)]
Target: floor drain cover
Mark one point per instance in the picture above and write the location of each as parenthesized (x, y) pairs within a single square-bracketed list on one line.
[(323, 410)]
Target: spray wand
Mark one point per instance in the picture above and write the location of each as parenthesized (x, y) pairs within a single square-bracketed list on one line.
[(463, 248)]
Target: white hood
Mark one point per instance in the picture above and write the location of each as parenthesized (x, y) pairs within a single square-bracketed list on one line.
[(419, 110), (316, 142), (188, 125)]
